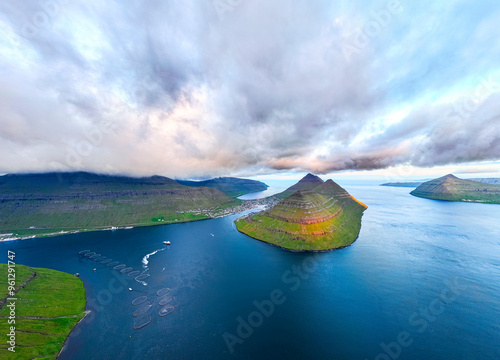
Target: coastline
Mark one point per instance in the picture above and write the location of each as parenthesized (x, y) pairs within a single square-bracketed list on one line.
[(112, 228), (301, 251), (86, 312), (127, 227), (460, 201)]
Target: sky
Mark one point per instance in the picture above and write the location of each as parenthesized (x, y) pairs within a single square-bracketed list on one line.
[(202, 88)]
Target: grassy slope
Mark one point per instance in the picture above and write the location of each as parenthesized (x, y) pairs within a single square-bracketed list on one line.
[(50, 294), (299, 229), (233, 187), (451, 188), (87, 201)]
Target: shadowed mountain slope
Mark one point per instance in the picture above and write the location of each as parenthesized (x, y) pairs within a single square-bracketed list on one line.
[(34, 204)]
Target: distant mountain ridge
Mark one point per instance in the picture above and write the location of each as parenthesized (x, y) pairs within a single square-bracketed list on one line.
[(487, 180), (231, 186), (312, 215), (451, 188), (403, 184), (417, 183)]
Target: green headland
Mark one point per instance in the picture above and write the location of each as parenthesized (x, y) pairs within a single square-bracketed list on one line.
[(451, 188), (312, 216), (49, 304)]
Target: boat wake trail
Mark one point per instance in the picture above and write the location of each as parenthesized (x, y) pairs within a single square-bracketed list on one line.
[(145, 259)]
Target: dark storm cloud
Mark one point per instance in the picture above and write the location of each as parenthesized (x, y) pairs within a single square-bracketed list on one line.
[(186, 89)]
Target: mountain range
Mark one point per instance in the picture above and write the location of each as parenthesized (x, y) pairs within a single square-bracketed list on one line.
[(231, 186), (51, 203)]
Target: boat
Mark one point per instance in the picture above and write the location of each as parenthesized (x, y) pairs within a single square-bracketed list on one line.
[(166, 242)]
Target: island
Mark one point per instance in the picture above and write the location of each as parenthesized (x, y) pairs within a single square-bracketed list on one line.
[(451, 188), (48, 305), (52, 204), (312, 215)]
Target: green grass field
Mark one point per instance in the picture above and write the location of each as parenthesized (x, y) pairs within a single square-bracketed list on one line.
[(345, 226), (56, 298), (42, 205)]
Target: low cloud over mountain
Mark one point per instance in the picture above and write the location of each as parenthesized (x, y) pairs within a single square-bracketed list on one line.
[(198, 88)]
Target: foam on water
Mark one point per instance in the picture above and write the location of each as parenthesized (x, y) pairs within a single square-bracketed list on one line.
[(145, 259)]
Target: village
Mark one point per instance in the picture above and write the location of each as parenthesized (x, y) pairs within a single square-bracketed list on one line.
[(264, 203)]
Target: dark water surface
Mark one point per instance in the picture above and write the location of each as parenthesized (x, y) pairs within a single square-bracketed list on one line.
[(421, 282)]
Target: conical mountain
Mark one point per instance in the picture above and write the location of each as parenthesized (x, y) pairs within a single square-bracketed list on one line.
[(308, 182), (323, 217), (451, 188), (311, 178)]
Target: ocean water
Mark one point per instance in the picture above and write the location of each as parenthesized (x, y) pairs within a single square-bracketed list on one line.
[(275, 186), (422, 281)]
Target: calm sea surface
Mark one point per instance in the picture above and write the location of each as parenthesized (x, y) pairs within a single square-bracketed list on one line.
[(421, 282)]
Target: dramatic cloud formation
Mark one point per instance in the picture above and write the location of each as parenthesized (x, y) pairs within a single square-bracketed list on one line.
[(195, 88)]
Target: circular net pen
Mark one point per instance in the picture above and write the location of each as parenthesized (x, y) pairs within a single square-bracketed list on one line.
[(142, 310), (140, 300), (126, 270), (107, 261), (119, 267), (166, 310), (134, 273), (93, 257), (142, 277), (83, 252), (89, 254), (162, 292), (100, 258), (142, 322), (113, 263), (165, 300)]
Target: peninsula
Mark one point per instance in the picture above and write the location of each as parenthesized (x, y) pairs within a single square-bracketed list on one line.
[(48, 306), (312, 215), (451, 188)]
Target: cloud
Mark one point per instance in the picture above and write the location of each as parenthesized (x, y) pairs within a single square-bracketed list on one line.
[(477, 170), (180, 89)]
